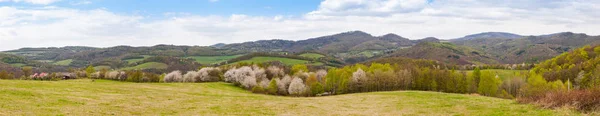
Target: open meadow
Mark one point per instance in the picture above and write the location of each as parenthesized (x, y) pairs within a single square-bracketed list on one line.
[(103, 97)]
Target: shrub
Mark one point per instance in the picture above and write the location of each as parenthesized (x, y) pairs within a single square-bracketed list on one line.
[(264, 83), (283, 85), (316, 88), (299, 68), (274, 72), (359, 76), (257, 89), (113, 75), (297, 87), (249, 82), (209, 74), (321, 75), (272, 88), (488, 85), (244, 75), (174, 76), (191, 77), (584, 100)]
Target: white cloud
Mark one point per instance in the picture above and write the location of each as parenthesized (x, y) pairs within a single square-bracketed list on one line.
[(44, 2), (83, 2), (54, 26), (368, 7)]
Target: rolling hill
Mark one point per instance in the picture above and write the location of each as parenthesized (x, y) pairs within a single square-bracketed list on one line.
[(529, 49), (344, 48)]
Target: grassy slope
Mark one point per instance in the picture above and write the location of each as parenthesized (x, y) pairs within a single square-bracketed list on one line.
[(83, 97), (18, 64), (212, 59), (312, 55), (64, 62), (286, 61), (148, 65), (101, 67), (131, 61)]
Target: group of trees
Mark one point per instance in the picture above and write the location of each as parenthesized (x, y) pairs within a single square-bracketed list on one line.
[(207, 74), (570, 79)]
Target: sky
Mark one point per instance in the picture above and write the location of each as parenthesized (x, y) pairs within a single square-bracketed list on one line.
[(106, 23)]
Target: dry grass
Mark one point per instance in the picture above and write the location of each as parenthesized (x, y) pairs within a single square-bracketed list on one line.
[(84, 97)]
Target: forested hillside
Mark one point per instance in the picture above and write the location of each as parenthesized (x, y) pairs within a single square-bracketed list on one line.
[(529, 49)]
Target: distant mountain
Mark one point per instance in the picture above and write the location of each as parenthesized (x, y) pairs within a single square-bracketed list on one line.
[(218, 45), (50, 53), (353, 46), (486, 35), (529, 49)]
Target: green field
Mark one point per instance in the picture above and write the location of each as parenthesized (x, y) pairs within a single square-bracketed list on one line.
[(286, 61), (64, 62), (503, 73), (131, 61), (312, 55), (148, 65), (18, 64), (212, 59), (102, 67), (102, 97)]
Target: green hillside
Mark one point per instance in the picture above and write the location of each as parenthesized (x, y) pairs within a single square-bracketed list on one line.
[(287, 61), (312, 55), (64, 62), (101, 97), (212, 59)]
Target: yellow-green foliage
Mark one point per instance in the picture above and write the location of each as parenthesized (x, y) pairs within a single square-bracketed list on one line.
[(299, 68), (579, 66)]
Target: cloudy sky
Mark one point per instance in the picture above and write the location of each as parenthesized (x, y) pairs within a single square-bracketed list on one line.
[(104, 23)]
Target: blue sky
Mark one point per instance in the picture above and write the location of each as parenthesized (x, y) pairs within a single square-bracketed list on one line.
[(106, 23), (157, 8)]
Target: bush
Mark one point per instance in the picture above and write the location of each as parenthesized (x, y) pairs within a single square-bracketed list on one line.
[(238, 76), (191, 77), (583, 100), (283, 85), (209, 74), (257, 89), (173, 77), (272, 88), (249, 82), (274, 72), (297, 87)]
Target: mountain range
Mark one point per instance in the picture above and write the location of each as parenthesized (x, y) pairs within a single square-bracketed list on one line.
[(345, 48)]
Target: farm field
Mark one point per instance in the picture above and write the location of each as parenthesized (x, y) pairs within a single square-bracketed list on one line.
[(64, 62), (102, 97), (212, 59), (131, 61), (286, 61), (148, 65), (312, 55)]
